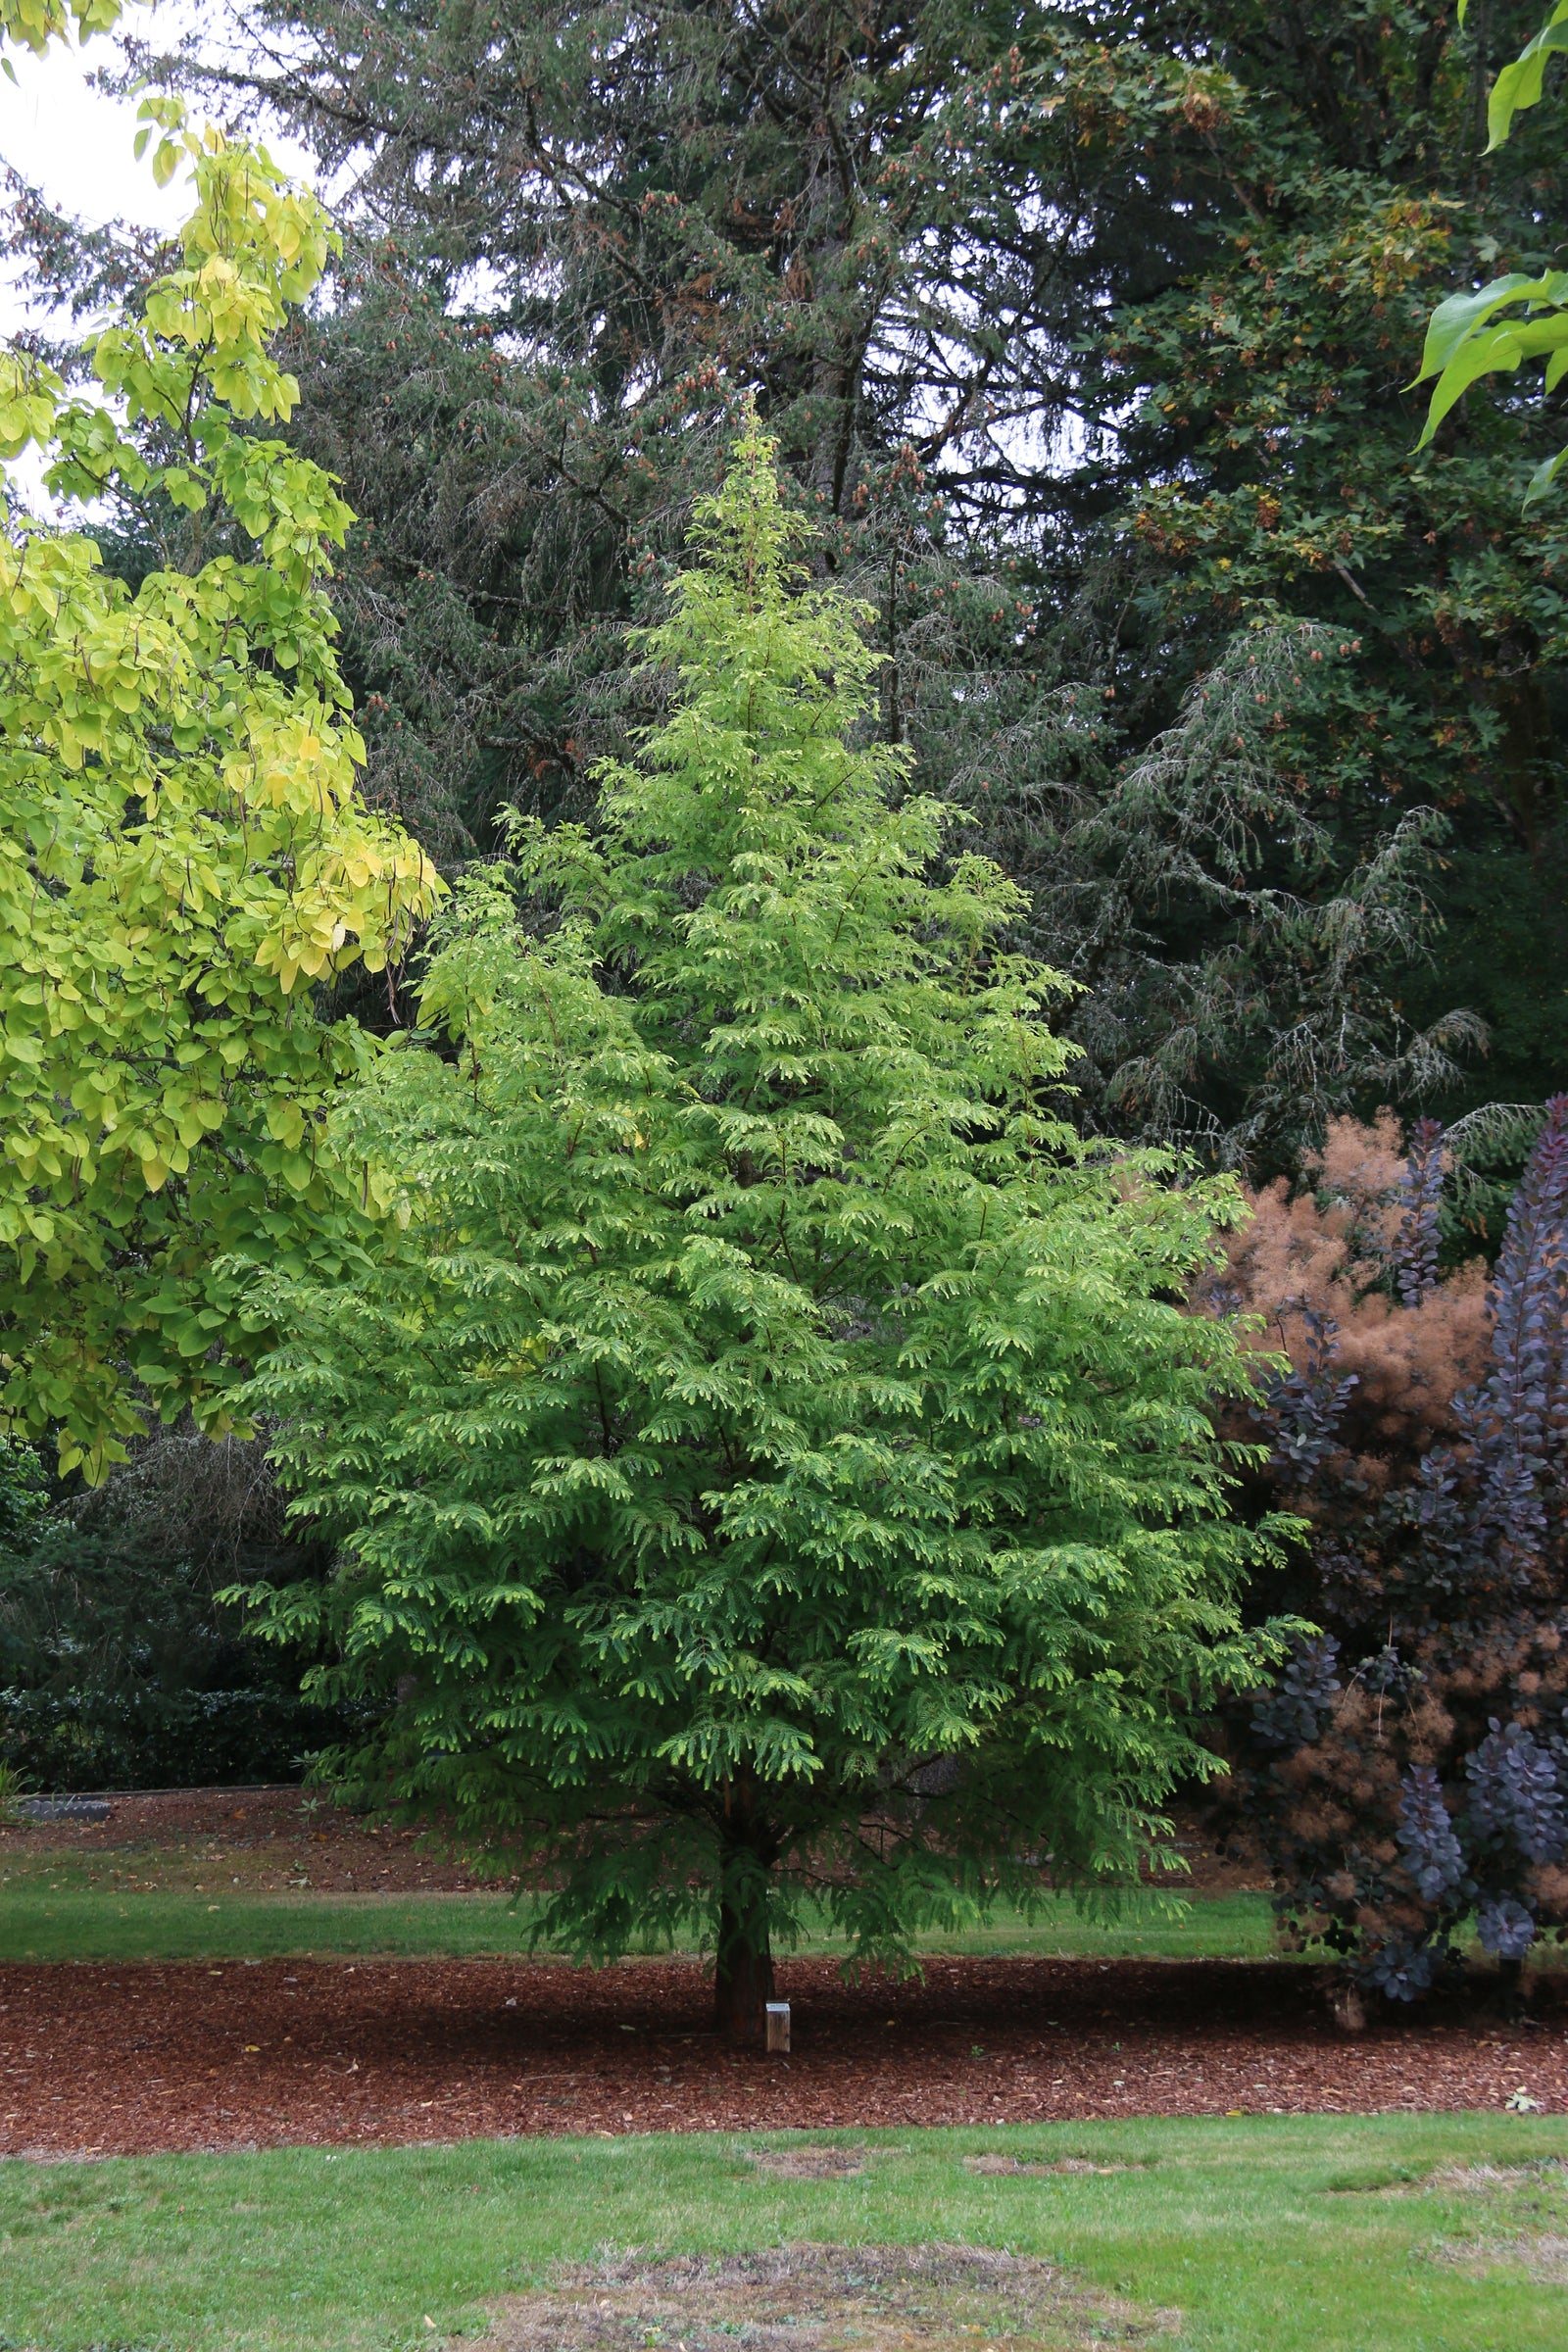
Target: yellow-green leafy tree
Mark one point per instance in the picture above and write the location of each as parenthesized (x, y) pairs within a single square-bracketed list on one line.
[(185, 858), (34, 23)]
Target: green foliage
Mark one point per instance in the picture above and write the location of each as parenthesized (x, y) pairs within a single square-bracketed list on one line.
[(1469, 337), (536, 359), (1521, 83), (24, 1490), (773, 1456), (119, 1665), (86, 1736), (1422, 754), (34, 23), (182, 844), (1083, 337), (1501, 906)]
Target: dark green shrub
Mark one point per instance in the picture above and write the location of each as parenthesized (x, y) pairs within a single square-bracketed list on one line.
[(119, 1666)]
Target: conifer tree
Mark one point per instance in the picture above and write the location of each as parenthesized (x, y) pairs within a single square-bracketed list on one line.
[(769, 1460)]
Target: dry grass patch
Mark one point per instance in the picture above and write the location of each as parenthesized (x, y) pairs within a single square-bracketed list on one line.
[(1530, 2202), (1457, 2180), (998, 2163), (815, 2160), (1481, 2180), (822, 2298), (1542, 2257)]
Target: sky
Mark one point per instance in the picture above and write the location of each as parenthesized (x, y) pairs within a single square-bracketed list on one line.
[(77, 146)]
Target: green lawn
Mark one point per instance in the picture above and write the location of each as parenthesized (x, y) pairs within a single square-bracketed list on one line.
[(66, 1921), (1295, 2235)]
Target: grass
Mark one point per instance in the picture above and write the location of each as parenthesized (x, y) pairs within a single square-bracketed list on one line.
[(1271, 2234), (59, 1918)]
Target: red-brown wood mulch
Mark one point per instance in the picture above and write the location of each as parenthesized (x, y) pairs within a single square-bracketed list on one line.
[(135, 2059)]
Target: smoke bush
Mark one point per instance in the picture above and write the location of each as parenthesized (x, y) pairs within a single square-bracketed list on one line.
[(1407, 1773), (1514, 1792), (1404, 1969), (1289, 1715), (1415, 1247), (1432, 1853), (1303, 1408), (1505, 1927)]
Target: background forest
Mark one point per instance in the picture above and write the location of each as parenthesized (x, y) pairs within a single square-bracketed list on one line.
[(1085, 336), (1086, 339)]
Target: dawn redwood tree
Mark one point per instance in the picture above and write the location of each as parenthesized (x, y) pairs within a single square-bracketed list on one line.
[(770, 1456)]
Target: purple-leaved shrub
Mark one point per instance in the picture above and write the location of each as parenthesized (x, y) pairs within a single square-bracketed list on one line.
[(1407, 1773)]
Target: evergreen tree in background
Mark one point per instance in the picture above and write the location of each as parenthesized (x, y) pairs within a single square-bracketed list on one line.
[(1084, 336), (773, 1460), (119, 1666)]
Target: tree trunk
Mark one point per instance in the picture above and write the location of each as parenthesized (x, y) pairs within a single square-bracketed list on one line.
[(1510, 1994), (742, 1974)]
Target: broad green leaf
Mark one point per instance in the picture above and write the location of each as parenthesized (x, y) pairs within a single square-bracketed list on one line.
[(1460, 315), (1542, 480), (1519, 84)]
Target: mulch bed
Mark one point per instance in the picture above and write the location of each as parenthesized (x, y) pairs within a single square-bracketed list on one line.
[(135, 2059)]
